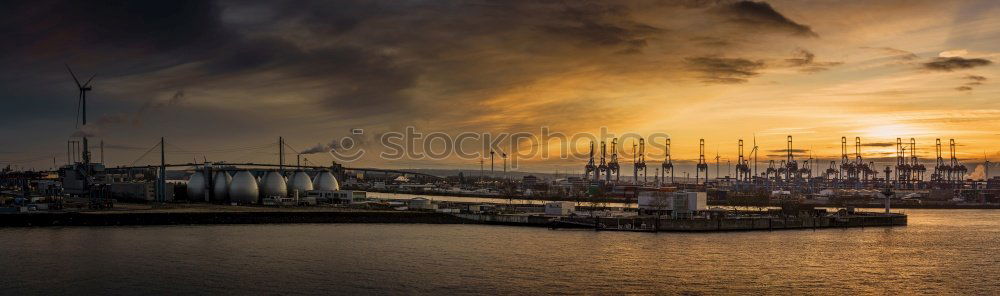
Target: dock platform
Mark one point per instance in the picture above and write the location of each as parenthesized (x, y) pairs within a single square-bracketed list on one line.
[(652, 224)]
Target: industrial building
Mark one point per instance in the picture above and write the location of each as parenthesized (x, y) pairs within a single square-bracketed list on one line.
[(675, 204)]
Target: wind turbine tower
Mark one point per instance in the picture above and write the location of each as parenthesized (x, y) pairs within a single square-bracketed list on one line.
[(82, 110)]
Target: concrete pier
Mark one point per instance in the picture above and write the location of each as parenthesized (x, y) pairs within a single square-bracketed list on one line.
[(734, 224), (252, 215), (223, 217)]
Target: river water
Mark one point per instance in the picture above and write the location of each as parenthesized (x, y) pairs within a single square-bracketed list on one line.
[(940, 252)]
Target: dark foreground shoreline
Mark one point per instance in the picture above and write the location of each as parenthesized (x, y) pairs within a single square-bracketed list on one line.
[(149, 218), (221, 217), (895, 205)]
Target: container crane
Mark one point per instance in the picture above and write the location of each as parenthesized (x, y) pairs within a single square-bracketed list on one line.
[(613, 166), (590, 167), (668, 163), (701, 166)]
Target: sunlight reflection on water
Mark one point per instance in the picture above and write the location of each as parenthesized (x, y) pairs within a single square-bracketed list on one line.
[(940, 252)]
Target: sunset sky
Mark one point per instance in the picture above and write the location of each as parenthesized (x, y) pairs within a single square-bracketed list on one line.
[(216, 75)]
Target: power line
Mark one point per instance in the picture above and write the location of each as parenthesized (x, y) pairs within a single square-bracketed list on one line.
[(230, 149), (27, 160), (144, 154)]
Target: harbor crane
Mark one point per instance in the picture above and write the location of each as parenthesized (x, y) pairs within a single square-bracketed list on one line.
[(668, 164), (940, 169), (846, 167), (742, 167), (902, 166), (791, 166), (603, 167), (916, 167), (613, 166), (866, 171), (957, 170), (590, 167), (701, 166), (639, 161)]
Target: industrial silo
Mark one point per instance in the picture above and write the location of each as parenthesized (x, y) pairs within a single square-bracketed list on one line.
[(301, 183), (220, 192), (196, 187), (274, 185), (243, 188), (325, 181)]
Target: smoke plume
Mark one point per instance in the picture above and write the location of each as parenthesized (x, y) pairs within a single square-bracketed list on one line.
[(978, 174)]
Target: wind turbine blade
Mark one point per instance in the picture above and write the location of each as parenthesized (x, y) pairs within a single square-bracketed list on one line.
[(74, 75), (88, 80)]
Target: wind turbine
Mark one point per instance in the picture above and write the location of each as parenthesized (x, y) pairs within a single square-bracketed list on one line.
[(754, 152), (717, 165), (81, 109)]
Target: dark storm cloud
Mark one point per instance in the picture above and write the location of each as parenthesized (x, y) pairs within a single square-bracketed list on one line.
[(963, 88), (356, 78), (135, 38), (955, 63), (330, 17), (725, 70), (762, 16), (603, 25), (110, 36), (261, 63), (156, 104), (43, 26)]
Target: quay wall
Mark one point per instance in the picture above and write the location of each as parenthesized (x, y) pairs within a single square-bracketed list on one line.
[(181, 218), (745, 223), (266, 217)]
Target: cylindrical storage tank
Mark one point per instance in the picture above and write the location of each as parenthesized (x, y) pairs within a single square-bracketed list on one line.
[(301, 183), (326, 181), (243, 188), (221, 190), (274, 185), (196, 187)]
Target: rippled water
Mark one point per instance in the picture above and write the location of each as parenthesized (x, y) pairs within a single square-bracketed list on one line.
[(940, 252)]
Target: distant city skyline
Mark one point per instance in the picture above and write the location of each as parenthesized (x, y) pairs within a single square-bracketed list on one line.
[(222, 80)]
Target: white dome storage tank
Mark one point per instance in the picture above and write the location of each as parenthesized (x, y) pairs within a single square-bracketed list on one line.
[(301, 183), (196, 187), (326, 181), (221, 190), (243, 188), (274, 185)]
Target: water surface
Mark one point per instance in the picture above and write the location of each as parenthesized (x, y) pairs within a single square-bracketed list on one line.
[(940, 252)]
